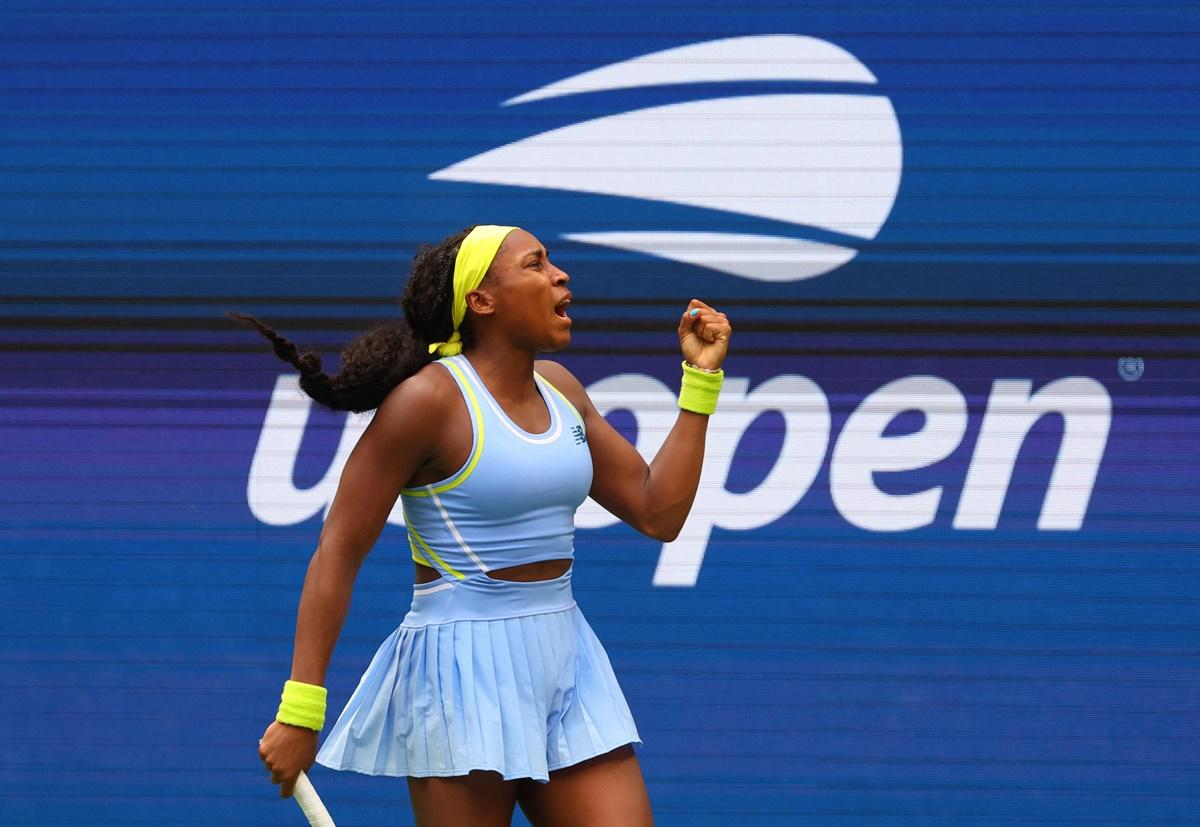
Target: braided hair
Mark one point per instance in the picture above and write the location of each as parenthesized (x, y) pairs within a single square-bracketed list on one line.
[(389, 352)]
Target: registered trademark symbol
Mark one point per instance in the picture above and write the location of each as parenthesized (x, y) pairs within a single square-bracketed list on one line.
[(1131, 368)]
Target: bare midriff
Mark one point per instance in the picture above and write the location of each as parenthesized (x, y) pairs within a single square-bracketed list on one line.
[(524, 573)]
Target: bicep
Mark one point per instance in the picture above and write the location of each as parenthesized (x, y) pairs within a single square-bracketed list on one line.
[(385, 458), (619, 472)]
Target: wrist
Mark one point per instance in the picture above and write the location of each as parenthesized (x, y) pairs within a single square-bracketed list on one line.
[(699, 388), (688, 364), (302, 705)]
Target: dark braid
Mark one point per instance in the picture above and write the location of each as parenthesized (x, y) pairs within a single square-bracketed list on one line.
[(390, 352)]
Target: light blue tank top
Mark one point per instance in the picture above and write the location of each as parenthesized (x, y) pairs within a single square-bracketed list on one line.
[(514, 500)]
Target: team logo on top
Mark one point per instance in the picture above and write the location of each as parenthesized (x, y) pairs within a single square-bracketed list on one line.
[(577, 432), (815, 161)]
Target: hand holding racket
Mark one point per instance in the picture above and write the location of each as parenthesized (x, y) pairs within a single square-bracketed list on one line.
[(287, 750)]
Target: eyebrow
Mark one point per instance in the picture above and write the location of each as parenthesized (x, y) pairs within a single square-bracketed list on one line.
[(540, 251)]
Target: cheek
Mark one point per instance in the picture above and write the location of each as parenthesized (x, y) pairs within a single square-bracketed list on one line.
[(523, 307)]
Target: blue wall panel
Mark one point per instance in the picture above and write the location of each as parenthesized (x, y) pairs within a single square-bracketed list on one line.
[(1020, 649)]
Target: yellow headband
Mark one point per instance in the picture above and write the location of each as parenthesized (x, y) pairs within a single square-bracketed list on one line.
[(475, 255)]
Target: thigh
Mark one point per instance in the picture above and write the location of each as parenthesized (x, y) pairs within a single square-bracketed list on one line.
[(605, 791), (479, 798)]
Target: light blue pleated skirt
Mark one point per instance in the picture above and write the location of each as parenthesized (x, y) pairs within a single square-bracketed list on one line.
[(483, 674)]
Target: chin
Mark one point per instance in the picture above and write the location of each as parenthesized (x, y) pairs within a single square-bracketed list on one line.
[(557, 345)]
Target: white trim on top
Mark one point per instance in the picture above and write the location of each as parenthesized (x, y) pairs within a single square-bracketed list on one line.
[(422, 588), (454, 530), (547, 396)]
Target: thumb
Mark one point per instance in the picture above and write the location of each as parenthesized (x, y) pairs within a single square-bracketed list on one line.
[(688, 319)]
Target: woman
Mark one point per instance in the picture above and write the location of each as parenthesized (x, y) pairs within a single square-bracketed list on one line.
[(494, 691)]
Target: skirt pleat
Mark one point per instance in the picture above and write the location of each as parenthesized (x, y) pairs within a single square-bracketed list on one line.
[(596, 719), (519, 696)]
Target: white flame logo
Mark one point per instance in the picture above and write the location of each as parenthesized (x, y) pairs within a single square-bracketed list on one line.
[(827, 161)]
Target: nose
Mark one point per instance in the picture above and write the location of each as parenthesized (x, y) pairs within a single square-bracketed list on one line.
[(560, 276)]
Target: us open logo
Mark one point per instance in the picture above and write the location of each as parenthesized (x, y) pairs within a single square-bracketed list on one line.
[(807, 163), (824, 162)]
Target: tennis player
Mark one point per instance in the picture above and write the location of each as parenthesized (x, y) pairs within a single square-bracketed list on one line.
[(493, 692)]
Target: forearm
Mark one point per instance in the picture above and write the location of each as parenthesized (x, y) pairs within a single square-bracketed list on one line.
[(674, 475), (324, 603)]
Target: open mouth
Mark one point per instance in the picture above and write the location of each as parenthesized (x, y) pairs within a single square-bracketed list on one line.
[(560, 309)]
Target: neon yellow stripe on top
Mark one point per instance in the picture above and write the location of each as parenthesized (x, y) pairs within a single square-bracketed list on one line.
[(563, 397), (416, 552), (412, 534), (477, 415)]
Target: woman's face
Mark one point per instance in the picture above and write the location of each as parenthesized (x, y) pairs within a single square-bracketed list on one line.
[(527, 294)]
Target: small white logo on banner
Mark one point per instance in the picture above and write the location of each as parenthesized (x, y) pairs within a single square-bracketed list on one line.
[(1131, 368)]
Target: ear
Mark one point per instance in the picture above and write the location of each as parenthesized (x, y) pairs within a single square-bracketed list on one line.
[(481, 302)]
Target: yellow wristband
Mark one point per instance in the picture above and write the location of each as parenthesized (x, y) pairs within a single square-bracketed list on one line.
[(302, 704), (699, 389)]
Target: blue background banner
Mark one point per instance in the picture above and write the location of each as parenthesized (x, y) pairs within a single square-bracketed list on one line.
[(941, 565)]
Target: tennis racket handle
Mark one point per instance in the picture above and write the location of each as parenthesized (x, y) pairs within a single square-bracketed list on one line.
[(310, 803)]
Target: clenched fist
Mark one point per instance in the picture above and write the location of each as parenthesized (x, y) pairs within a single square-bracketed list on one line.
[(704, 335)]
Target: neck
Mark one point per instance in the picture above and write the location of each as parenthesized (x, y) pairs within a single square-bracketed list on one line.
[(507, 370)]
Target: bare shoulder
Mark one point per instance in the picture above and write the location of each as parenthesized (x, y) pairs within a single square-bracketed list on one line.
[(560, 377), (417, 406)]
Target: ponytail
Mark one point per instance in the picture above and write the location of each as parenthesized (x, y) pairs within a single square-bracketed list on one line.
[(371, 365), (390, 352)]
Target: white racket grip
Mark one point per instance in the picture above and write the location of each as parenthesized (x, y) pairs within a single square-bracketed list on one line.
[(310, 803)]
